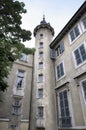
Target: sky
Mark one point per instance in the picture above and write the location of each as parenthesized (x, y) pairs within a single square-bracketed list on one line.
[(57, 13)]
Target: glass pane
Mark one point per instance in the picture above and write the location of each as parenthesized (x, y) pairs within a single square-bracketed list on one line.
[(84, 22), (19, 82), (84, 88), (23, 57), (41, 65), (61, 47), (61, 69), (83, 52), (77, 56), (40, 78), (40, 93), (72, 35), (76, 29), (58, 72), (65, 94)]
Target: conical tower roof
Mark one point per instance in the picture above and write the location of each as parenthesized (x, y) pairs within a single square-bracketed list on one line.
[(43, 24)]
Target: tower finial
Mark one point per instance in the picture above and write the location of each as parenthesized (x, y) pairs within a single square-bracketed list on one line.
[(43, 17)]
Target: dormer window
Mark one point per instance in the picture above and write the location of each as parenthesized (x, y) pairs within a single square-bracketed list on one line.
[(23, 57)]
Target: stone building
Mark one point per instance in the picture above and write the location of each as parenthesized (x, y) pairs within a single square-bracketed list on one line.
[(48, 89), (15, 105)]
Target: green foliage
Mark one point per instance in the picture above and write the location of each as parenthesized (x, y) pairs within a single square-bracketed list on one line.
[(11, 37)]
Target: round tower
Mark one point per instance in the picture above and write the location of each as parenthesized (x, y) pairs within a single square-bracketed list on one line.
[(43, 108)]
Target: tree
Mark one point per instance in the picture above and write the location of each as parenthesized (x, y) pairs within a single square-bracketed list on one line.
[(11, 37)]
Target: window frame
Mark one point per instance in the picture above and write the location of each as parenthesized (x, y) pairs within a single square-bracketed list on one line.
[(74, 58), (59, 109), (40, 45), (21, 77), (57, 79), (60, 49), (40, 65), (25, 57), (40, 93), (41, 54), (82, 25), (71, 42), (83, 94), (40, 116), (42, 78)]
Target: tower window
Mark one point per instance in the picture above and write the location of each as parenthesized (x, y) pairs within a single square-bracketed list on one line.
[(40, 93), (41, 35), (40, 112), (20, 77), (40, 65), (40, 54), (41, 45), (40, 77)]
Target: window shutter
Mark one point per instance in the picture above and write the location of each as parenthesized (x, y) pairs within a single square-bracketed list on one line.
[(61, 47), (52, 54)]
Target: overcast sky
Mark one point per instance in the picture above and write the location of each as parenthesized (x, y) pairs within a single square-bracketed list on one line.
[(57, 13)]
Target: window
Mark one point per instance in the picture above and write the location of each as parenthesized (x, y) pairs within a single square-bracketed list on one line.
[(84, 22), (40, 112), (60, 70), (84, 88), (64, 118), (14, 110), (40, 65), (16, 103), (20, 77), (40, 77), (23, 57), (60, 49), (41, 45), (74, 33), (40, 54), (41, 35), (40, 93), (80, 54)]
